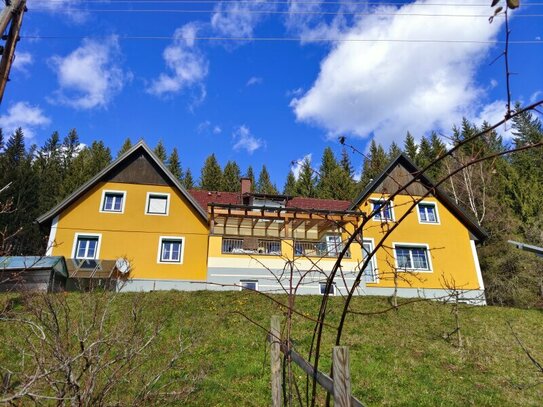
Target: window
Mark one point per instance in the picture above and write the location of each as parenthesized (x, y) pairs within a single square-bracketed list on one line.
[(157, 204), (334, 245), (427, 212), (322, 288), (383, 212), (86, 247), (370, 273), (251, 285), (171, 250), (112, 201), (412, 257)]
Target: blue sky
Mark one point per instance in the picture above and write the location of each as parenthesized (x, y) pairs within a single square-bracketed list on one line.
[(354, 68)]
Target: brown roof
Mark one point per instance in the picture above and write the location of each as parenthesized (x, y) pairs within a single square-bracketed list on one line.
[(315, 203), (234, 198), (206, 197)]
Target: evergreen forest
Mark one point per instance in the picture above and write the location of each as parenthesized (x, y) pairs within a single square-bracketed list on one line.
[(504, 194)]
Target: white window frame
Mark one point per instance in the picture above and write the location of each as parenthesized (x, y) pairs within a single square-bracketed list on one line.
[(103, 200), (428, 203), (372, 260), (414, 245), (323, 284), (77, 236), (148, 201), (181, 252), (242, 287), (377, 216)]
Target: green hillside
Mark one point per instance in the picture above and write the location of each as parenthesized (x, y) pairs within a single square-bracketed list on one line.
[(397, 358)]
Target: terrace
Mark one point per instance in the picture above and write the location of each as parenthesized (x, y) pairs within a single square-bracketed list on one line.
[(274, 230)]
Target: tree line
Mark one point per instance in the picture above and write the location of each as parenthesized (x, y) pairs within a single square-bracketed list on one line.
[(504, 194)]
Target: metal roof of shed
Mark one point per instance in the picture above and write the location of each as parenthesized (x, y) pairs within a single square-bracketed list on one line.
[(58, 263)]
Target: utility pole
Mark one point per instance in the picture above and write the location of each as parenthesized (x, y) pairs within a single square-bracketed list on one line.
[(13, 12)]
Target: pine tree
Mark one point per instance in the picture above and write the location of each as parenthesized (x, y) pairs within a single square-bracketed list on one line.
[(528, 188), (410, 146), (425, 154), (264, 184), (89, 162), (345, 162), (394, 151), (15, 152), (174, 166), (344, 185), (127, 145), (211, 176), (49, 170), (160, 151), (251, 175), (375, 162), (326, 186), (71, 148), (306, 184), (188, 181), (290, 184), (231, 177), (23, 191), (438, 146)]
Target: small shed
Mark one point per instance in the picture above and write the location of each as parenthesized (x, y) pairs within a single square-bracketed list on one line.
[(33, 273)]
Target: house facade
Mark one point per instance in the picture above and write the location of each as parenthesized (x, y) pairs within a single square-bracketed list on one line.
[(136, 213)]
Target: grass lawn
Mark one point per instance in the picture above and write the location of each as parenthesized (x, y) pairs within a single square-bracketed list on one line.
[(397, 358)]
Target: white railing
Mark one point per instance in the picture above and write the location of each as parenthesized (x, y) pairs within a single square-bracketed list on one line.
[(304, 248), (261, 246)]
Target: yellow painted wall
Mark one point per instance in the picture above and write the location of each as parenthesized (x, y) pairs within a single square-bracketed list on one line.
[(449, 243), (136, 235)]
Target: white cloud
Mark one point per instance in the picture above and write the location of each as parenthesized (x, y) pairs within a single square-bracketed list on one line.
[(296, 165), (22, 60), (23, 115), (294, 92), (244, 140), (493, 113), (90, 76), (208, 127), (187, 64), (386, 88), (69, 8), (237, 18), (254, 80), (535, 96)]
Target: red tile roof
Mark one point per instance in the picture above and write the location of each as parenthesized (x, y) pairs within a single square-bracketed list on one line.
[(315, 203), (206, 197)]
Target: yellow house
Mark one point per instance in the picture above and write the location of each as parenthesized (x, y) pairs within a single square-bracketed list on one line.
[(177, 239), (133, 209), (428, 241)]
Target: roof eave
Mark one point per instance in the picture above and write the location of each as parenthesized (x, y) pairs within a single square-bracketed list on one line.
[(49, 215), (466, 219)]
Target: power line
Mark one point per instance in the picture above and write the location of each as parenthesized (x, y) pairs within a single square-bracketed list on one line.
[(279, 39), (195, 11), (308, 2)]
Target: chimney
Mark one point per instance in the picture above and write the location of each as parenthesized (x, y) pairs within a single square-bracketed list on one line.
[(246, 186)]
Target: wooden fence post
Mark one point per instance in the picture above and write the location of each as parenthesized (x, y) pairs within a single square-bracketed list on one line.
[(275, 356), (342, 377)]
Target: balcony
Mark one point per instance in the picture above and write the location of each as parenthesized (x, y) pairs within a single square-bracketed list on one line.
[(251, 245), (303, 248)]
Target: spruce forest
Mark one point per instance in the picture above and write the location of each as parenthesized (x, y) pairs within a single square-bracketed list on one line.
[(505, 195)]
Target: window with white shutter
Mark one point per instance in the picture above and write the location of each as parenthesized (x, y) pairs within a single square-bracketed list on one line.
[(157, 204)]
